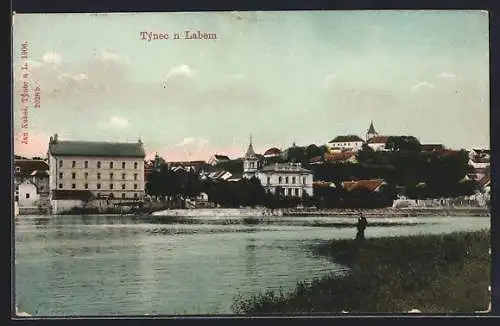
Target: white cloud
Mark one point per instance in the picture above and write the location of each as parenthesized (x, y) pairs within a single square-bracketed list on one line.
[(52, 58), (422, 85), (182, 70), (192, 142), (115, 123), (447, 75), (110, 56)]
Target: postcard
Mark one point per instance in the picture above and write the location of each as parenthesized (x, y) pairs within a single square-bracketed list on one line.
[(256, 162)]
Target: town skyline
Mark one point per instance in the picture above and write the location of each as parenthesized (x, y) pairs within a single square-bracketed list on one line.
[(424, 74)]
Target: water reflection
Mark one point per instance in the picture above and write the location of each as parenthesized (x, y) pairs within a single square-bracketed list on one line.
[(116, 265)]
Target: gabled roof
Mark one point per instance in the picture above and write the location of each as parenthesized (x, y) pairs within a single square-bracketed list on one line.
[(221, 157), (346, 139), (96, 149), (378, 140), (27, 167)]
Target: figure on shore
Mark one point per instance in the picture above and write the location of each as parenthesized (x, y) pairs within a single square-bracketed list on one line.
[(361, 226)]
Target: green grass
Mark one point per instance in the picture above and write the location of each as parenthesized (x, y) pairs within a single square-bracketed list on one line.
[(433, 273)]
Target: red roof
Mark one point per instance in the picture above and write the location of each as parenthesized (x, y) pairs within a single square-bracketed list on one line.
[(448, 152), (371, 185), (378, 140), (342, 156), (272, 151), (323, 184)]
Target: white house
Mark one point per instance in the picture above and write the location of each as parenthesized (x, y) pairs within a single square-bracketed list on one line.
[(377, 143), (114, 171), (348, 142), (26, 194), (288, 178)]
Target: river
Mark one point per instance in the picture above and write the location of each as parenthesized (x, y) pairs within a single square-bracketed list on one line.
[(104, 265)]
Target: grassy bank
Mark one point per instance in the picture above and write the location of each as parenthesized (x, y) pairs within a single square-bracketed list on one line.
[(432, 273)]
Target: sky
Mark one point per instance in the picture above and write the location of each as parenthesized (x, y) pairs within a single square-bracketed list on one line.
[(282, 77)]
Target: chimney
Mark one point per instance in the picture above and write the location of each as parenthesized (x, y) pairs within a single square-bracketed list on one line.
[(55, 138), (51, 140)]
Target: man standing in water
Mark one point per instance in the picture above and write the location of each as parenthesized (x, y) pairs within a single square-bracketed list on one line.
[(361, 226)]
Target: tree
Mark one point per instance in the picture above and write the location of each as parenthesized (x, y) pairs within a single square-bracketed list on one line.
[(403, 143), (313, 151)]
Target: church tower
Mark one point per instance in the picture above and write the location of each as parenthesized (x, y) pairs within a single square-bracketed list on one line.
[(371, 132), (250, 162)]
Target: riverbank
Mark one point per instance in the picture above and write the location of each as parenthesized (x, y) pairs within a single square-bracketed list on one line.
[(433, 273), (307, 212)]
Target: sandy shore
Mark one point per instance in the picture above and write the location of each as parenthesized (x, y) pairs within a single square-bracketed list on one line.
[(384, 212)]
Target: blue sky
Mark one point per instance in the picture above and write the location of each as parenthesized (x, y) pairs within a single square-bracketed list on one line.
[(280, 76)]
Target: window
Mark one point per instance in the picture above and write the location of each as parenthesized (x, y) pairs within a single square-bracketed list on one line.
[(60, 175), (86, 175), (73, 186), (18, 169), (303, 180), (296, 191), (280, 179), (98, 186), (111, 176), (86, 186), (286, 180), (110, 165), (61, 163), (123, 186), (60, 185), (123, 176), (41, 187), (123, 195), (135, 186), (289, 191), (268, 180), (98, 164), (98, 194), (135, 176), (73, 175), (135, 195), (86, 164), (123, 165), (98, 176), (73, 164), (135, 165), (293, 180), (27, 196), (110, 186), (17, 198)]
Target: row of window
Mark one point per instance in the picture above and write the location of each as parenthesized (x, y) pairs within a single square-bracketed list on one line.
[(112, 196), (86, 164), (287, 180), (86, 175), (86, 186), (291, 192)]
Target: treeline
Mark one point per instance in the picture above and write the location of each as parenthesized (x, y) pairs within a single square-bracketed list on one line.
[(423, 175)]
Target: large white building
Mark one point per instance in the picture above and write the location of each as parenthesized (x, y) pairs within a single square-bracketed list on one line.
[(106, 170), (349, 142), (289, 179)]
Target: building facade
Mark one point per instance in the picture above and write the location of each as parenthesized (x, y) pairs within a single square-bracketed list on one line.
[(348, 142), (288, 179), (106, 170), (27, 194)]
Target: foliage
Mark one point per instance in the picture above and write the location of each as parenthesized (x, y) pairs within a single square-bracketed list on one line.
[(403, 143), (434, 273)]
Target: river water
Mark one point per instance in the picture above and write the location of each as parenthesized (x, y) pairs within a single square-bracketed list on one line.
[(104, 265)]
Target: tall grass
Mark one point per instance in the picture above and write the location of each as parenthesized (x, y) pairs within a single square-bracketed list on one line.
[(433, 273)]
